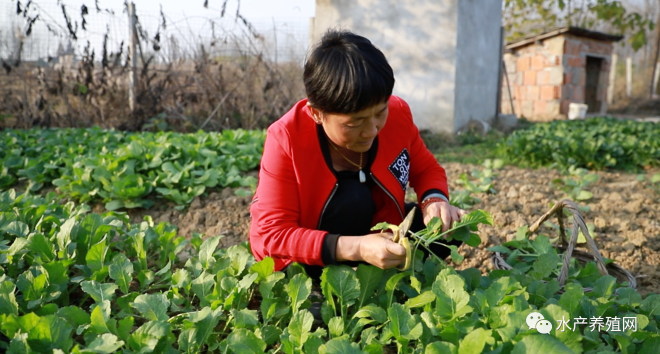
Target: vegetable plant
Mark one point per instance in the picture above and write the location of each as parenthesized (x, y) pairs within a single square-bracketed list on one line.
[(128, 170), (597, 143)]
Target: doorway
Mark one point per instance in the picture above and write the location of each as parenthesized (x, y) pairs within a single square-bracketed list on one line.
[(591, 94)]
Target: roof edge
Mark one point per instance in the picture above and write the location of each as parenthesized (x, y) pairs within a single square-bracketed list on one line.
[(576, 31)]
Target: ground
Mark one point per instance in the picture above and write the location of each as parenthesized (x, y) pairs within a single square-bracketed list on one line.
[(624, 211)]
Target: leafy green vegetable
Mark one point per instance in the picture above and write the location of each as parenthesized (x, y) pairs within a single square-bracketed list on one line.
[(73, 281), (595, 143)]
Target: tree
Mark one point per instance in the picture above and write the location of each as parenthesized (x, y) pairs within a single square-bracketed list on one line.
[(523, 18)]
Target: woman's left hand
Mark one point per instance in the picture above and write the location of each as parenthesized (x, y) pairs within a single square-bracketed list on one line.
[(445, 211)]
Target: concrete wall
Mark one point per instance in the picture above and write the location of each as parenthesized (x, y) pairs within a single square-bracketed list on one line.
[(478, 60), (437, 68)]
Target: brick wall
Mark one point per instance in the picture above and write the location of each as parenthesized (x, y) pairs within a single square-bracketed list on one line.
[(536, 76), (574, 63), (546, 76)]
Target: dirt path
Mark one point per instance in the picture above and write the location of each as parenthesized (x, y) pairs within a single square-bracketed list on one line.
[(624, 211)]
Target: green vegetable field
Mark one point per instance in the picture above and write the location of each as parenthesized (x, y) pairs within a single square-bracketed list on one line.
[(74, 279)]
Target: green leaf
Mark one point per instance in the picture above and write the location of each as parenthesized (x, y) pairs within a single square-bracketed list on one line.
[(269, 333), (500, 249), (651, 305), (205, 321), (540, 343), (392, 282), (98, 291), (121, 271), (64, 236), (19, 344), (544, 265), (202, 286), (440, 348), (32, 284), (41, 247), (125, 327), (604, 286), (105, 343), (96, 255), (455, 256), (8, 304), (340, 345), (239, 257), (100, 317), (19, 246), (114, 205), (336, 327), (343, 282), (263, 268), (300, 326), (571, 298), (372, 311), (243, 341), (369, 277), (453, 300), (556, 315), (58, 272), (149, 335), (584, 195), (475, 341), (74, 315), (298, 288), (153, 307), (245, 318), (403, 326), (206, 251), (180, 278), (420, 300), (17, 228)]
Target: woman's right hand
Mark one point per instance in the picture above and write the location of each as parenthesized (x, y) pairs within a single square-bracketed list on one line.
[(377, 249)]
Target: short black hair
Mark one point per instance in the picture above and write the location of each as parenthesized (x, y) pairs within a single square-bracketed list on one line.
[(346, 73)]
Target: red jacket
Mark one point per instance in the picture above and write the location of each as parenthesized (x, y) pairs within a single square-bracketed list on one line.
[(295, 182)]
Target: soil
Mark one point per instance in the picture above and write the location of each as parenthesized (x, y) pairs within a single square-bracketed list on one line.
[(623, 210)]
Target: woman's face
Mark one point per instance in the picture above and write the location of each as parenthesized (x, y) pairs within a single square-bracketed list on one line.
[(353, 131)]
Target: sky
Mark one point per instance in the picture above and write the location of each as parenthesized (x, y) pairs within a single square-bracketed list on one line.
[(285, 22)]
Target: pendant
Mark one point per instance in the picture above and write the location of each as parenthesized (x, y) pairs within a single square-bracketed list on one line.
[(363, 177)]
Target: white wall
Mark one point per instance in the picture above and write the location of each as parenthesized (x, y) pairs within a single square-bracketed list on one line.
[(422, 41), (478, 60)]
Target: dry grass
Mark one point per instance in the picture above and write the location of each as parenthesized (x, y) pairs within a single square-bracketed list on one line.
[(208, 93)]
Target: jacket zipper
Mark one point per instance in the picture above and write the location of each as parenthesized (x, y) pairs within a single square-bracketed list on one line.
[(325, 206), (388, 194)]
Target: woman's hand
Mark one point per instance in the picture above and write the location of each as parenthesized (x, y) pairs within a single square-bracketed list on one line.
[(377, 249), (445, 211)]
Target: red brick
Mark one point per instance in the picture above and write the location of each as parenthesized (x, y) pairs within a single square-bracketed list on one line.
[(522, 64), (533, 93), (572, 47), (553, 60), (539, 108), (575, 61), (549, 92), (529, 78), (543, 77), (537, 62)]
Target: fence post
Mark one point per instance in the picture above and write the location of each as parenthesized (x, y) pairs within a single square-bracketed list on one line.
[(612, 84), (629, 76), (132, 78), (656, 80)]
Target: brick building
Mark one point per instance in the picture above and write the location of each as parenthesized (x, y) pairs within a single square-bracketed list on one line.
[(547, 72)]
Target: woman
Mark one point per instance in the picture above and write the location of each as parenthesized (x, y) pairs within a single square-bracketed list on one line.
[(339, 162)]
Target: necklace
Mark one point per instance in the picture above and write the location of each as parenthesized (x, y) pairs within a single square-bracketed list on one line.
[(362, 176)]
